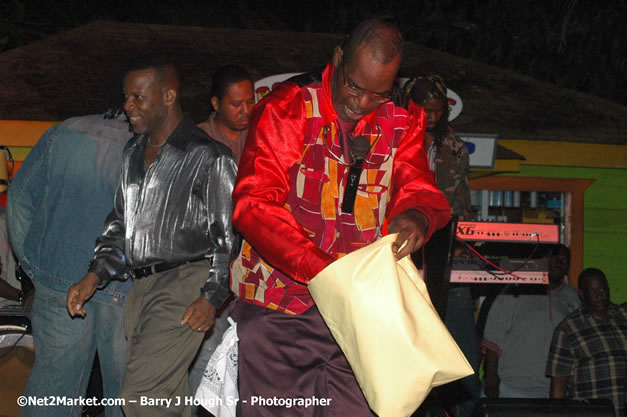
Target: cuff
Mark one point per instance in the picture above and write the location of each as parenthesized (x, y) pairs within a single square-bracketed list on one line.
[(215, 293), (102, 273)]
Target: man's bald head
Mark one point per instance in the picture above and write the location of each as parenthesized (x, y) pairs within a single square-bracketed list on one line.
[(382, 37), (594, 290), (365, 68)]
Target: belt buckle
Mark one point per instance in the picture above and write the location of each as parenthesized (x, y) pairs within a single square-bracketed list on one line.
[(141, 272)]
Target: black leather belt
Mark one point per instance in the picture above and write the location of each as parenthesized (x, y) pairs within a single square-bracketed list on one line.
[(146, 271)]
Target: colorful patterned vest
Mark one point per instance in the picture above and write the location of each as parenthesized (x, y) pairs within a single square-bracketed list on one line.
[(315, 199)]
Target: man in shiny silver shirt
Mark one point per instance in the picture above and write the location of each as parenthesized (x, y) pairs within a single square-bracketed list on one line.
[(170, 230)]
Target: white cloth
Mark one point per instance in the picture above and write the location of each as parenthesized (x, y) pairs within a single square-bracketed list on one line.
[(217, 391)]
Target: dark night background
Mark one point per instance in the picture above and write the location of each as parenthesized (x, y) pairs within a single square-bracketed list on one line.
[(578, 44)]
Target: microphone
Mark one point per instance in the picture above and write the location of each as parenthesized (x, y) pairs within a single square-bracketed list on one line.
[(360, 148)]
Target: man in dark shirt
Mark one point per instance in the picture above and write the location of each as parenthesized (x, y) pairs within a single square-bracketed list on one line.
[(232, 99), (589, 348), (170, 230)]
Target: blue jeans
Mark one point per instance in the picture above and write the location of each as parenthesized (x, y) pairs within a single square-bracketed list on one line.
[(65, 350)]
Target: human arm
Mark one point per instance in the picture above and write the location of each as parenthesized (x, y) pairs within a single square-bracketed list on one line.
[(492, 380), (496, 329), (200, 315), (24, 195), (275, 143), (80, 292), (417, 207), (411, 226), (560, 362), (558, 386), (109, 259), (223, 237)]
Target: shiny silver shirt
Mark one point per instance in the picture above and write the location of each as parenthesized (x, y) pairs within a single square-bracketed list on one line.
[(177, 210)]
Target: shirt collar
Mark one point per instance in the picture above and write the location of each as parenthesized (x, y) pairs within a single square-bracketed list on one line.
[(180, 136), (613, 311)]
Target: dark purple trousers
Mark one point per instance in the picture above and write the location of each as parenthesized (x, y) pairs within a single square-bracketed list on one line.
[(291, 366)]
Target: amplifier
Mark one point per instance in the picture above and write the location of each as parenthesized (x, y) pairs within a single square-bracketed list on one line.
[(523, 271), (508, 232), (535, 407), (506, 245)]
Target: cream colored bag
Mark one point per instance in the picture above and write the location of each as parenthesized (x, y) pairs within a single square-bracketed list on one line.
[(380, 314)]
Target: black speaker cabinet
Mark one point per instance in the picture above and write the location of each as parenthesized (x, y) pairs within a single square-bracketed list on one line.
[(536, 407)]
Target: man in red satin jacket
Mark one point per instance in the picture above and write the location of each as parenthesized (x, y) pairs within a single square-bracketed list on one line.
[(288, 197)]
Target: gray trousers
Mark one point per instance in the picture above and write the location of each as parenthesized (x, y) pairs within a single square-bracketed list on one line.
[(159, 349)]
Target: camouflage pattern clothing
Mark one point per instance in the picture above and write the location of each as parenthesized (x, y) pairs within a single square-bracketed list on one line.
[(451, 174)]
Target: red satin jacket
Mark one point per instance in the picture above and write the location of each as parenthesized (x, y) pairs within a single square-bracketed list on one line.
[(291, 179)]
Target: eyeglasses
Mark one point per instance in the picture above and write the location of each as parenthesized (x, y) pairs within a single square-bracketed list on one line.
[(356, 91)]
